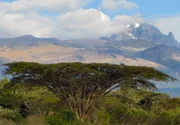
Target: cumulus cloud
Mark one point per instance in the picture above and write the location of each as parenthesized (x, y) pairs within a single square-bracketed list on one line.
[(92, 23), (73, 24), (118, 4), (14, 24), (170, 23), (35, 5), (87, 23), (21, 17)]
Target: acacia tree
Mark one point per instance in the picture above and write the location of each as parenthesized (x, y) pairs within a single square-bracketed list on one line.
[(79, 85)]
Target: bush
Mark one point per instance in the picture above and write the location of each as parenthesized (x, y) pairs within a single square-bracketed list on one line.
[(64, 117), (102, 118), (10, 114), (9, 99), (29, 99), (4, 121), (39, 100), (173, 115), (135, 116)]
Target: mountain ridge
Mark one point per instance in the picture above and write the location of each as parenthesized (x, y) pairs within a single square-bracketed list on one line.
[(144, 31)]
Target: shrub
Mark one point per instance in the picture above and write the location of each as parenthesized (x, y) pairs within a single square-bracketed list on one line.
[(64, 117), (102, 118), (9, 99), (135, 116), (4, 121), (10, 114)]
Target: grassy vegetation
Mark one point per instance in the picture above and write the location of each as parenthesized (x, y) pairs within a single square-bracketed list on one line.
[(37, 104)]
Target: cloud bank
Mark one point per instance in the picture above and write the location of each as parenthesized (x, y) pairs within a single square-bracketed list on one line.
[(73, 24), (92, 23)]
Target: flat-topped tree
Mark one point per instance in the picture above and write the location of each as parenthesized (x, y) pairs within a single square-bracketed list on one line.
[(79, 85)]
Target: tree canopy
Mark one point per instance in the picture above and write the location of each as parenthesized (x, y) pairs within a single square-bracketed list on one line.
[(79, 85)]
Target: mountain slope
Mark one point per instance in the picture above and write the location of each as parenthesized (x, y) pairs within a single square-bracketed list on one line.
[(29, 41), (165, 55), (86, 43)]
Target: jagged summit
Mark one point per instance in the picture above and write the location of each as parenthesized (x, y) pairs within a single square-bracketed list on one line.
[(171, 36), (147, 32)]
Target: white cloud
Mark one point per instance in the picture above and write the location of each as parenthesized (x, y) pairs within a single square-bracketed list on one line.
[(120, 21), (91, 23), (74, 24), (167, 24), (118, 4), (14, 24), (22, 17), (34, 5), (85, 23)]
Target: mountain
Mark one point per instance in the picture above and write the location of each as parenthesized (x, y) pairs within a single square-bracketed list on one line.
[(87, 43), (139, 44), (147, 42), (167, 56), (151, 33), (29, 41), (161, 52), (146, 32)]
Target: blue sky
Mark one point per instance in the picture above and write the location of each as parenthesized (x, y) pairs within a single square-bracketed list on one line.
[(147, 8), (43, 17), (157, 7)]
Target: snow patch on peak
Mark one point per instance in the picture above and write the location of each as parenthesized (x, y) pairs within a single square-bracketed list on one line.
[(137, 25), (134, 37), (130, 34)]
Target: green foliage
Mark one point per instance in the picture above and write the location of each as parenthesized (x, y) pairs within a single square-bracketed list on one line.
[(8, 99), (125, 107), (10, 114), (4, 121), (153, 102), (28, 99), (135, 116), (3, 83), (39, 100), (103, 117), (173, 115), (64, 117)]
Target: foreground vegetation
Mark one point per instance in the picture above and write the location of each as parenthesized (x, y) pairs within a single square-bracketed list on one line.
[(85, 94)]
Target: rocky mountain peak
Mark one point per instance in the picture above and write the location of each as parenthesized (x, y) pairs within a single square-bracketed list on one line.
[(171, 36), (145, 32)]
